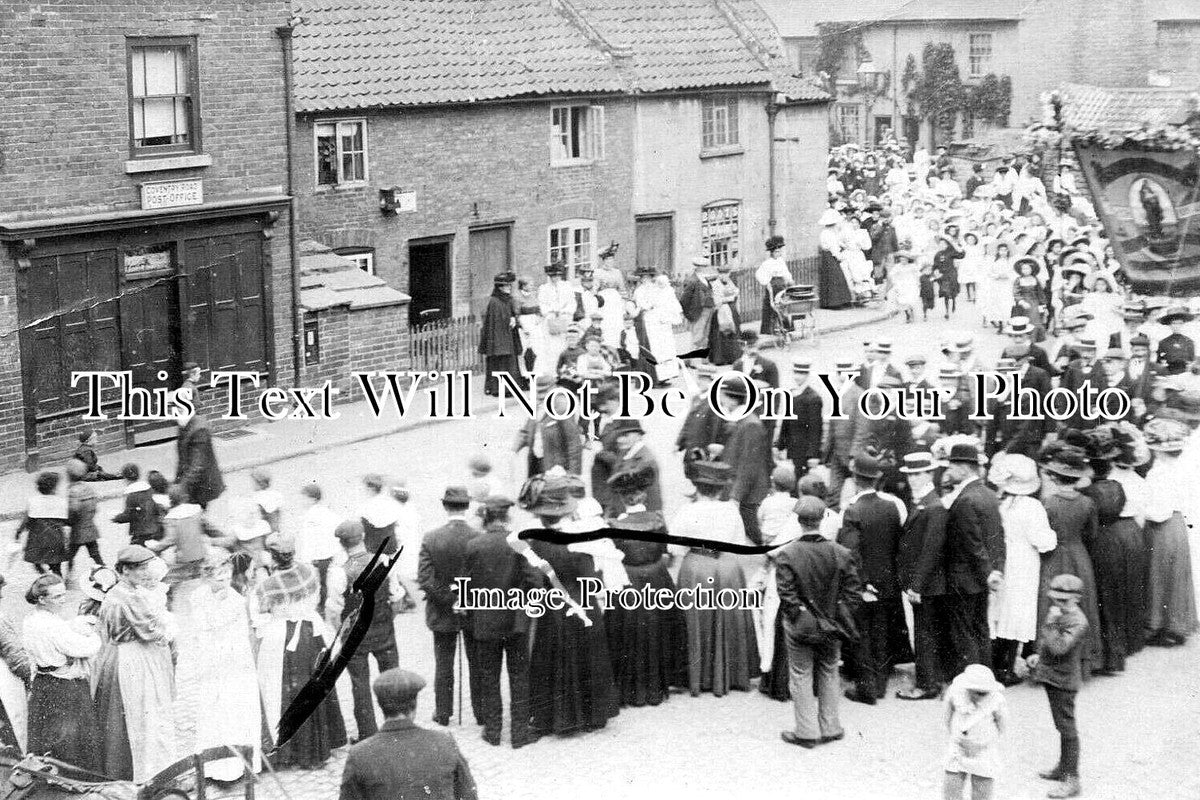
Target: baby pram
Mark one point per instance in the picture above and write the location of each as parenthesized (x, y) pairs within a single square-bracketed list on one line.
[(793, 307)]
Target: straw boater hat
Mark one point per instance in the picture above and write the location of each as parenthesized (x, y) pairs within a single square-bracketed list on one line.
[(1019, 326), (1090, 281), (920, 462), (830, 217), (1065, 586)]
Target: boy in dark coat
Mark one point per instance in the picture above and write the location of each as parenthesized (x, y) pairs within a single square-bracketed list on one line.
[(1057, 666), (140, 513), (86, 452)]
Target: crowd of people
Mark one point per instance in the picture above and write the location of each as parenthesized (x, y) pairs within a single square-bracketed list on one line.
[(984, 551)]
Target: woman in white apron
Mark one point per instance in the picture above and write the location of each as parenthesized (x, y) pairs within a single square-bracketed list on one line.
[(659, 311)]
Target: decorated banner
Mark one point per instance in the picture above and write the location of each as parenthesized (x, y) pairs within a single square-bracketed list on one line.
[(1149, 203)]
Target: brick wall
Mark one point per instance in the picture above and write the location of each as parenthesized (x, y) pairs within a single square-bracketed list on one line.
[(64, 143), (469, 166), (378, 341)]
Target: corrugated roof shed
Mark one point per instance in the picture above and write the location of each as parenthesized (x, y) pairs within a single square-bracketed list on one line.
[(1108, 109), (328, 280), (362, 54)]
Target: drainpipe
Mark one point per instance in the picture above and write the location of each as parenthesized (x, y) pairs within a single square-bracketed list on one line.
[(284, 32), (772, 110)]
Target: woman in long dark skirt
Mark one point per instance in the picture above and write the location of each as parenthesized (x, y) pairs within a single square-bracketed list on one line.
[(648, 646), (1110, 552), (62, 717), (571, 685), (722, 647)]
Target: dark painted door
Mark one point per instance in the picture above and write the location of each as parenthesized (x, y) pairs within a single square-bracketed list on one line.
[(150, 348), (428, 281), (490, 254), (656, 243)]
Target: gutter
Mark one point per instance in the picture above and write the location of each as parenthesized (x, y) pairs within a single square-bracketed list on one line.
[(284, 32)]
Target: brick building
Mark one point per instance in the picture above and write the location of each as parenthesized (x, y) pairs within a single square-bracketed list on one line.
[(143, 206), (1039, 44), (437, 156)]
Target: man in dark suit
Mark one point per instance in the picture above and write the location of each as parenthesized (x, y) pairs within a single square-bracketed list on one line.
[(551, 442), (974, 556), (871, 527), (380, 640), (442, 560), (501, 636), (1080, 373), (1023, 437), (744, 450), (800, 434), (921, 566), (702, 426), (405, 761), (1115, 365), (1139, 373), (878, 367), (1020, 339), (197, 472), (696, 301), (763, 372)]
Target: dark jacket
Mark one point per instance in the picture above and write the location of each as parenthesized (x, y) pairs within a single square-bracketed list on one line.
[(602, 468), (1059, 651), (142, 515), (81, 514), (695, 295), (747, 451), (871, 528), (562, 443), (763, 370), (492, 564), (617, 463), (499, 335), (974, 538), (443, 558), (197, 470), (405, 762), (814, 570), (701, 427), (921, 561), (844, 432), (800, 435), (382, 631)]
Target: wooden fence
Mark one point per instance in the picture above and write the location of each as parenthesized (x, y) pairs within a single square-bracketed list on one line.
[(749, 305), (445, 345)]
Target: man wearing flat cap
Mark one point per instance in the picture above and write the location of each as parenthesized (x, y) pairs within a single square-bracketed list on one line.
[(442, 560), (500, 336), (501, 635), (404, 761), (380, 639)]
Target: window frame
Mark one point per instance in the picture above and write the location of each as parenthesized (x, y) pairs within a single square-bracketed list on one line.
[(194, 144), (984, 67), (732, 139), (336, 122), (573, 225), (355, 254), (733, 258), (857, 135), (594, 136)]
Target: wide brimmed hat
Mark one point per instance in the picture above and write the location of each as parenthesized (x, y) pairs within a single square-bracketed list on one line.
[(1019, 326), (920, 462), (829, 217), (1032, 262), (505, 279), (548, 495), (134, 554), (1015, 474), (978, 678), (1166, 435), (556, 268), (1089, 281), (1066, 461), (1183, 406), (1176, 314), (711, 473), (1077, 267), (949, 372), (774, 243)]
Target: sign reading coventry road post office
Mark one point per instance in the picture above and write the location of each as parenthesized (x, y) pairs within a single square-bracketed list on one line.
[(169, 194)]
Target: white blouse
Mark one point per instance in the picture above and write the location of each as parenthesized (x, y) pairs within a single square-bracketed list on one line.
[(715, 520), (58, 647)]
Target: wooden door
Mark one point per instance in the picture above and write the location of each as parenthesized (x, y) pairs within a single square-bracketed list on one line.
[(655, 245), (429, 281), (490, 251), (150, 349)]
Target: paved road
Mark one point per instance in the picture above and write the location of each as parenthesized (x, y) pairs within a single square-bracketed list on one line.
[(1139, 730)]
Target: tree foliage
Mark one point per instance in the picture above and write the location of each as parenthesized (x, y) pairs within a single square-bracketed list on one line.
[(938, 91), (834, 41), (991, 100)]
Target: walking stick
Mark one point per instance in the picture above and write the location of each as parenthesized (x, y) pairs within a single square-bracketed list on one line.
[(460, 643)]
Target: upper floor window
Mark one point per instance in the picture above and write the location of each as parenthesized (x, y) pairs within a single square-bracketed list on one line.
[(572, 242), (576, 134), (849, 122), (364, 257), (164, 101), (979, 54), (720, 232), (718, 122), (341, 151)]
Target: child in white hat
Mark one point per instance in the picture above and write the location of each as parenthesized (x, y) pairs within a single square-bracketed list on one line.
[(976, 715)]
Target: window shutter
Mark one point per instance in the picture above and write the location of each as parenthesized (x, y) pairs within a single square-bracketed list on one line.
[(597, 125)]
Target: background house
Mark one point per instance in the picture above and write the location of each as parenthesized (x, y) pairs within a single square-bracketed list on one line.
[(1037, 44), (142, 204), (645, 125)]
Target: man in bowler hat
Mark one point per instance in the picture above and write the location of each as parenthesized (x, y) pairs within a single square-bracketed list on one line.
[(404, 761)]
